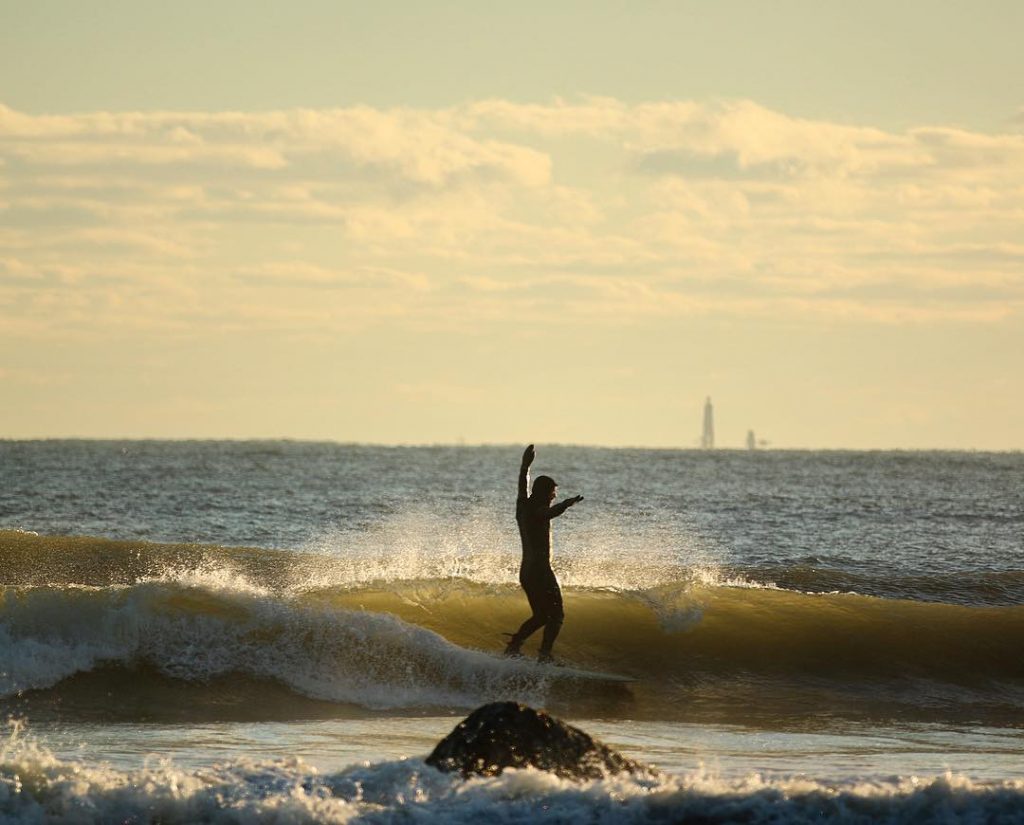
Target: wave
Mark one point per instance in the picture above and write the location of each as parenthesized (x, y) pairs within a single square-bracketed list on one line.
[(198, 632), (30, 559), (685, 632), (725, 652), (106, 626), (35, 786), (967, 587)]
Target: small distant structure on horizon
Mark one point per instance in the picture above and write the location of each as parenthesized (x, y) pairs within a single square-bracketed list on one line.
[(751, 440), (707, 436)]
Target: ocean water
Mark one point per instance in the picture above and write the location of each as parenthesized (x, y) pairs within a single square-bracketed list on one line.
[(282, 631)]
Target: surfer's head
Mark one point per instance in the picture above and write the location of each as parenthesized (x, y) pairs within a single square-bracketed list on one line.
[(544, 488)]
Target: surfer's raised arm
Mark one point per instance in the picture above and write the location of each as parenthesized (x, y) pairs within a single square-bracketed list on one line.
[(524, 472)]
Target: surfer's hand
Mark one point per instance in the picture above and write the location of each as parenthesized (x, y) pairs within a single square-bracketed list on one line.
[(528, 455), (574, 500)]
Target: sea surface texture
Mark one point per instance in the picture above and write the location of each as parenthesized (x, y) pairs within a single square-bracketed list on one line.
[(281, 631)]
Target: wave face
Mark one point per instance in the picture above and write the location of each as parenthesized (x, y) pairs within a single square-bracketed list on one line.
[(36, 786), (197, 632), (149, 630)]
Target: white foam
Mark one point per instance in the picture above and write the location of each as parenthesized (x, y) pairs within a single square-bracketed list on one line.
[(213, 576), (35, 786)]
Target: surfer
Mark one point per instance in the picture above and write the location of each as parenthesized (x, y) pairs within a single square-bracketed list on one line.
[(533, 515)]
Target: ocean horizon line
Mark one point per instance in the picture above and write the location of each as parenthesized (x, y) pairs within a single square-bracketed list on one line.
[(457, 444)]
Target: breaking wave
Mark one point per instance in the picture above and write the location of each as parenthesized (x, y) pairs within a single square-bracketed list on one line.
[(195, 630)]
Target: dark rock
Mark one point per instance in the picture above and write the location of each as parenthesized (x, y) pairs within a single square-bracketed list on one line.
[(509, 735)]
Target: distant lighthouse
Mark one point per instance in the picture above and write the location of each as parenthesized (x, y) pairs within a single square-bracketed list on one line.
[(707, 436)]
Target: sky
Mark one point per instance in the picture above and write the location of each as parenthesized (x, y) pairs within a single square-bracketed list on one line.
[(466, 222)]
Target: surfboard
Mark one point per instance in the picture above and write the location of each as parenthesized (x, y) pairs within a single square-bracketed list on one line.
[(567, 672)]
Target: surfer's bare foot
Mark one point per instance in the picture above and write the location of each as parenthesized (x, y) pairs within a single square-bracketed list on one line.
[(545, 658)]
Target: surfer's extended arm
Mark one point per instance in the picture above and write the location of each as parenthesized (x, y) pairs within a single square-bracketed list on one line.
[(562, 506), (524, 471)]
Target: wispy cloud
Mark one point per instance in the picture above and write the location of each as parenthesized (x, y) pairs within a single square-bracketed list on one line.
[(594, 210)]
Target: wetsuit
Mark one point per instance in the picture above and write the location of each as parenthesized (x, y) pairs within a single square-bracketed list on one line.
[(535, 574)]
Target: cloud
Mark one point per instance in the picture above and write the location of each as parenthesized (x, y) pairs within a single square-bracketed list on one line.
[(416, 146), (67, 153), (741, 133), (595, 210), (298, 274)]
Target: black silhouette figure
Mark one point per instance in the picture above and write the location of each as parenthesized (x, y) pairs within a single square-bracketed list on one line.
[(533, 515)]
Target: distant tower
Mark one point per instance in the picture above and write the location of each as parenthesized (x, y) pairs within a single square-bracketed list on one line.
[(707, 437), (751, 441)]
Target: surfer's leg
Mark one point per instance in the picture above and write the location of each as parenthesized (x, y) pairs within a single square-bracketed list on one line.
[(554, 615), (536, 596), (526, 630)]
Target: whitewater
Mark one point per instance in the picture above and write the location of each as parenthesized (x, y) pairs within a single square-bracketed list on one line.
[(281, 631)]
